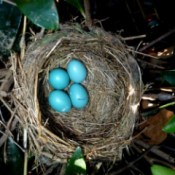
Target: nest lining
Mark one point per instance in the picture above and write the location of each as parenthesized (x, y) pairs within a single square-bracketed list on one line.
[(105, 126)]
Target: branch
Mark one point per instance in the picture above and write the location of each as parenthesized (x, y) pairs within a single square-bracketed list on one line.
[(87, 13), (157, 40)]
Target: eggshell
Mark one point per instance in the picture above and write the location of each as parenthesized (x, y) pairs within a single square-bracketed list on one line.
[(78, 95), (59, 78), (76, 70), (59, 101)]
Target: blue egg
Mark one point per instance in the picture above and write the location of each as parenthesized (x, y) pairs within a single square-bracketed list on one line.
[(76, 70), (60, 101), (59, 78), (78, 95)]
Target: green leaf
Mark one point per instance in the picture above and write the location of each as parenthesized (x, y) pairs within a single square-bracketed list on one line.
[(161, 170), (77, 4), (10, 19), (76, 164), (14, 158), (169, 76), (170, 126), (43, 13)]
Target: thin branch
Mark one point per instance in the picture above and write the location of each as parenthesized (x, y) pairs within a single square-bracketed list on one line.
[(151, 160), (156, 151), (87, 13), (167, 105), (134, 37), (130, 164), (25, 162), (157, 40), (141, 53), (22, 42)]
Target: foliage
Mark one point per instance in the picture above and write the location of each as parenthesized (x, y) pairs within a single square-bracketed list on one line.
[(161, 170), (13, 158), (170, 126), (42, 13), (76, 164), (169, 76), (10, 19)]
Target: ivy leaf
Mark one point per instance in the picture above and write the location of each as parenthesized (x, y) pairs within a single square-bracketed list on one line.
[(161, 170), (170, 126), (169, 76), (77, 4), (41, 12), (76, 164)]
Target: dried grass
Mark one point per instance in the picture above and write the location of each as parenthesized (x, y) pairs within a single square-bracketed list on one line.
[(114, 83)]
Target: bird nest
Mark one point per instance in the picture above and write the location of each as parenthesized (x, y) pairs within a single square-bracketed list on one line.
[(104, 127)]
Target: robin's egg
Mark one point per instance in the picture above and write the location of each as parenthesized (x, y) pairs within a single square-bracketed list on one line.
[(77, 70), (78, 95), (59, 101), (59, 78)]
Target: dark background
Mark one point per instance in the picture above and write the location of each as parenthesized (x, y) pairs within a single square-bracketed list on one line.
[(152, 18), (133, 17)]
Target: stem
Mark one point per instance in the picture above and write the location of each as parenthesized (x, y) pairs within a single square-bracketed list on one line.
[(26, 152), (25, 162), (167, 105), (22, 41), (87, 13), (134, 37)]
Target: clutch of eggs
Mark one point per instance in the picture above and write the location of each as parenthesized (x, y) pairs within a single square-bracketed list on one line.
[(60, 78)]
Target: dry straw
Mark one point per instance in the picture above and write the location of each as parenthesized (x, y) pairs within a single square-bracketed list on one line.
[(105, 126)]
